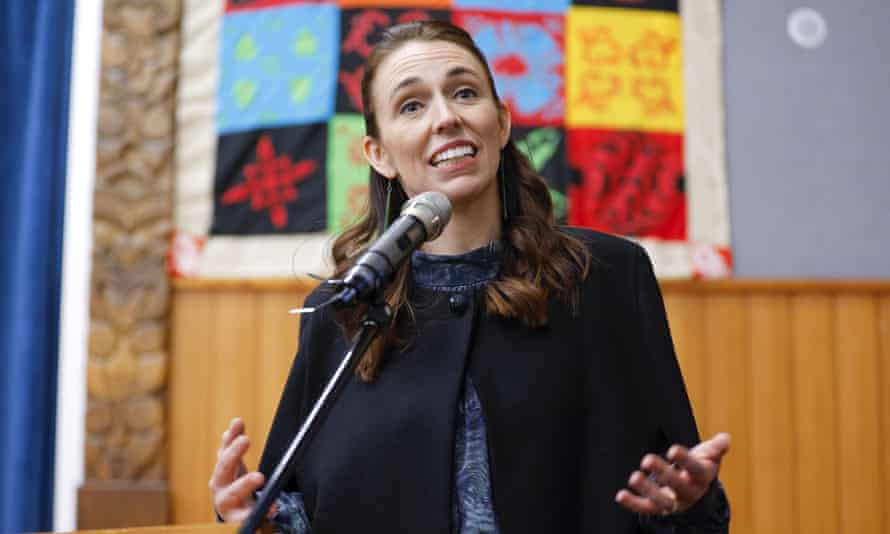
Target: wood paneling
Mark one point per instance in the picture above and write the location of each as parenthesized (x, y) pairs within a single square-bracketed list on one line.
[(860, 448), (728, 339), (815, 410), (772, 421), (193, 442), (798, 372), (884, 390), (233, 347)]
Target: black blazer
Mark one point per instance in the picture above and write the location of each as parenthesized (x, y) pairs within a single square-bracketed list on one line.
[(570, 409)]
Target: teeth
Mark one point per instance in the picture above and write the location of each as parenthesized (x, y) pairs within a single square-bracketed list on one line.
[(452, 153)]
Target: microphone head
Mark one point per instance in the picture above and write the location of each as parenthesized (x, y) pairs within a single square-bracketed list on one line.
[(432, 209)]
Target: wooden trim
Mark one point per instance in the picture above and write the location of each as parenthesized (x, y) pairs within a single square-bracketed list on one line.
[(122, 504), (302, 284), (779, 285)]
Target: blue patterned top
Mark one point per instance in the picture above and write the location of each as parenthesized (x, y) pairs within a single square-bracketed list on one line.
[(473, 509)]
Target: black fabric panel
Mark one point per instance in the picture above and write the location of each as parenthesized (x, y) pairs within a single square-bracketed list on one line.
[(656, 5), (270, 181)]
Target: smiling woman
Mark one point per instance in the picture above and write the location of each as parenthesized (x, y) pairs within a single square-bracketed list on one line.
[(528, 381)]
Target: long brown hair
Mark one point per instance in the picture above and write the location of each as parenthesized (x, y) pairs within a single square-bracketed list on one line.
[(538, 259)]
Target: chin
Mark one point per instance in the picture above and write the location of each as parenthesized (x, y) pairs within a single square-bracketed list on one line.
[(462, 191)]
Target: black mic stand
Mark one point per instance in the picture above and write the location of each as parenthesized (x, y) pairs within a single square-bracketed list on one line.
[(376, 319)]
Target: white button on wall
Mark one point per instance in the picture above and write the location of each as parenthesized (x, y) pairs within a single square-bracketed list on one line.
[(807, 27)]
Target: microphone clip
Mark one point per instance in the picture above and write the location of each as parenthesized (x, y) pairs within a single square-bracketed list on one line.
[(337, 286)]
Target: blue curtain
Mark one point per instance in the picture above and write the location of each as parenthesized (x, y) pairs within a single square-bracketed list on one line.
[(34, 76)]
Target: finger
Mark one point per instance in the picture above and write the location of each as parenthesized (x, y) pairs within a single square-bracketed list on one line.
[(635, 503), (713, 449), (700, 470), (665, 473), (238, 495), (669, 474), (230, 464), (645, 487), (235, 429), (233, 458), (688, 489)]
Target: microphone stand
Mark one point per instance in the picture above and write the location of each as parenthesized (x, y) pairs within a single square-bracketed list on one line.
[(376, 319)]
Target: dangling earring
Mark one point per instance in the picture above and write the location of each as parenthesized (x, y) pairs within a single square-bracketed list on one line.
[(503, 180), (388, 197)]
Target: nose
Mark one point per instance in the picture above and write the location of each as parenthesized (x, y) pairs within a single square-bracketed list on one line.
[(445, 117)]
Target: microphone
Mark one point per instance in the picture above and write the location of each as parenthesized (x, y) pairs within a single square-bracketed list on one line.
[(422, 219)]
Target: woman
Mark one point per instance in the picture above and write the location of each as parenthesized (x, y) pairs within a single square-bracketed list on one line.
[(528, 383)]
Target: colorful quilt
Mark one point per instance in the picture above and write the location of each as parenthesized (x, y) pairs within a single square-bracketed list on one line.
[(616, 102)]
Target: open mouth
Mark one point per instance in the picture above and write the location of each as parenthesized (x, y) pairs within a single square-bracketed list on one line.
[(453, 155)]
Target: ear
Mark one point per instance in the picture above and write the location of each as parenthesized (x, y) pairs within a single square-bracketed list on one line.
[(505, 122), (377, 157)]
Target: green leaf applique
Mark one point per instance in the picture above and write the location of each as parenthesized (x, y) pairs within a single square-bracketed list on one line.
[(540, 145), (246, 48), (305, 45), (300, 88), (244, 92)]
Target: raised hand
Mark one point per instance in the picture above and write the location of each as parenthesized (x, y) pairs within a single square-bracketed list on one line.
[(670, 486), (232, 486)]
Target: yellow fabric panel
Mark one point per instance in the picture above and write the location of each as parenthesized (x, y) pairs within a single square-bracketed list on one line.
[(624, 69)]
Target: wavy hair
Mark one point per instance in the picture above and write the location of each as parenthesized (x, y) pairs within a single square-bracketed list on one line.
[(538, 261)]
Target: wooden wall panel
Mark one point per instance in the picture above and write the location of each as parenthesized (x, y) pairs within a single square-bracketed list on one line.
[(278, 333), (233, 348), (192, 378), (815, 413), (727, 336), (797, 372), (236, 319), (884, 390), (772, 422), (860, 448)]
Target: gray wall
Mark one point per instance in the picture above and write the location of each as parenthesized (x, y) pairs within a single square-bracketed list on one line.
[(808, 135)]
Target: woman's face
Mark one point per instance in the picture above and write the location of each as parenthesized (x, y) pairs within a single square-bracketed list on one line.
[(440, 127)]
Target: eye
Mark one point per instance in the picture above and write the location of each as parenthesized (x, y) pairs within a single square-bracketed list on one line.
[(412, 106), (465, 93)]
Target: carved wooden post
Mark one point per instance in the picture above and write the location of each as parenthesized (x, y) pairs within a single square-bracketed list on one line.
[(125, 445)]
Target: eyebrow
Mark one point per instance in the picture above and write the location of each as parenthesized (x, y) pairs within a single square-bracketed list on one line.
[(454, 71)]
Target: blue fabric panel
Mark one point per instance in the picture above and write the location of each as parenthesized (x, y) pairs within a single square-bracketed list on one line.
[(278, 66), (34, 73), (526, 56)]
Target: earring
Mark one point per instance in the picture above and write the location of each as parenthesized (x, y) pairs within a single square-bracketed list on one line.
[(503, 180), (388, 197)]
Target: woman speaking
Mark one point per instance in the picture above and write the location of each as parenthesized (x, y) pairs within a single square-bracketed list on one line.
[(527, 383)]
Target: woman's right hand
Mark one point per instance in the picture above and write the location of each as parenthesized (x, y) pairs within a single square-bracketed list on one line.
[(232, 486)]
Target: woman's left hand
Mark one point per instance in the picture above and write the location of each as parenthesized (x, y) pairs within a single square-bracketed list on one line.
[(660, 487)]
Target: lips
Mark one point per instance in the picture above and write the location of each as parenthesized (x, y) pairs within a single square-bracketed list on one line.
[(453, 152)]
